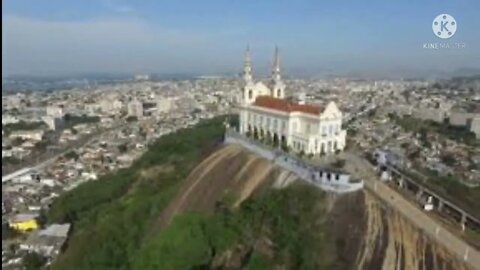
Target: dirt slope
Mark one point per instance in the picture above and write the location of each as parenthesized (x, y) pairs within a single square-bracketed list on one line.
[(231, 170), (367, 234)]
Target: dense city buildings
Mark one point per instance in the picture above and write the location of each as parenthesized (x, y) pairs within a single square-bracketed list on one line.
[(53, 142), (135, 137)]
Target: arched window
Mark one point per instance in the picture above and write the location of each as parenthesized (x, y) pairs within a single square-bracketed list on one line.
[(250, 94), (279, 92)]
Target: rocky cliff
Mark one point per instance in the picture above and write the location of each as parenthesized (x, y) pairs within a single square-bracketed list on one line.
[(365, 233)]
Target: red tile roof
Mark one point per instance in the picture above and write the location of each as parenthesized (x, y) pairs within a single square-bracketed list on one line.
[(285, 105)]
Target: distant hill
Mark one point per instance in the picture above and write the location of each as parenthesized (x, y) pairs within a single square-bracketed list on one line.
[(466, 72)]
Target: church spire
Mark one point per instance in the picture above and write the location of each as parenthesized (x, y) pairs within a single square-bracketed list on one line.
[(276, 76), (278, 87), (247, 69)]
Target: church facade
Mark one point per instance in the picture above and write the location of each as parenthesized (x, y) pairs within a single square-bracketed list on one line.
[(266, 115)]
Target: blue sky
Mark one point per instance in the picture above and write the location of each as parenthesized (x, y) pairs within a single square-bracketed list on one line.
[(66, 37)]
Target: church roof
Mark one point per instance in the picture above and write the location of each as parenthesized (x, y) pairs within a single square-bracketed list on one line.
[(260, 86), (285, 105)]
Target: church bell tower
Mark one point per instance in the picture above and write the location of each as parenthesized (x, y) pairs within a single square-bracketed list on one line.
[(277, 86), (248, 94)]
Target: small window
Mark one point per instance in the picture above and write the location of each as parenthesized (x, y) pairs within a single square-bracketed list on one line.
[(329, 176), (250, 94), (337, 177), (321, 173), (279, 92)]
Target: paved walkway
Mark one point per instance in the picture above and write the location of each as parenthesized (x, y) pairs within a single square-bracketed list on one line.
[(435, 230)]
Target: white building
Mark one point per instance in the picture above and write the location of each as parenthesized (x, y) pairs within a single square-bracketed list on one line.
[(436, 115), (52, 122), (266, 114), (135, 108), (142, 77), (9, 119), (460, 119), (47, 242), (35, 135), (106, 105), (55, 111), (475, 126), (164, 105), (117, 105)]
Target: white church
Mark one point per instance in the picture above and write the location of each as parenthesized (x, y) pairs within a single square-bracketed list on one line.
[(265, 114)]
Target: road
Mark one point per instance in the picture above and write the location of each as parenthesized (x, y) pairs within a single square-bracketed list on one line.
[(80, 143), (434, 229), (88, 140)]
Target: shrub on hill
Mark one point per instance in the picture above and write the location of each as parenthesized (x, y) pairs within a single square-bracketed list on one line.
[(290, 220), (112, 216)]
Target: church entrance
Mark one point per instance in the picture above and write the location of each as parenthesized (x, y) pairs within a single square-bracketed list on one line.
[(276, 141), (255, 133), (268, 138), (283, 143)]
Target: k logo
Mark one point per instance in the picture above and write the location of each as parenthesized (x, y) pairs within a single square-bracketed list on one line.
[(444, 26)]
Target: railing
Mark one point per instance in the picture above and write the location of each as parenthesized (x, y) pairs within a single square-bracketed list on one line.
[(326, 179), (409, 179)]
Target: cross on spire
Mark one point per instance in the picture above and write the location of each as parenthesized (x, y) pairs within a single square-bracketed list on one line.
[(276, 76), (247, 69)]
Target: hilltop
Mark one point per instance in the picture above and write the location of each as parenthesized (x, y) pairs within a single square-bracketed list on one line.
[(192, 203)]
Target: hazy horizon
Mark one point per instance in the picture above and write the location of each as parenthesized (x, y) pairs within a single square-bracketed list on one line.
[(209, 37)]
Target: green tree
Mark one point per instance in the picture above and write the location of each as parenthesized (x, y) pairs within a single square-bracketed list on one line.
[(9, 232), (110, 227), (339, 163), (33, 261), (122, 148), (449, 159), (132, 118), (71, 155)]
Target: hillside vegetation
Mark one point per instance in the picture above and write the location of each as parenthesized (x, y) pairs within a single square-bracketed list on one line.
[(111, 216), (178, 207), (114, 218), (280, 228)]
